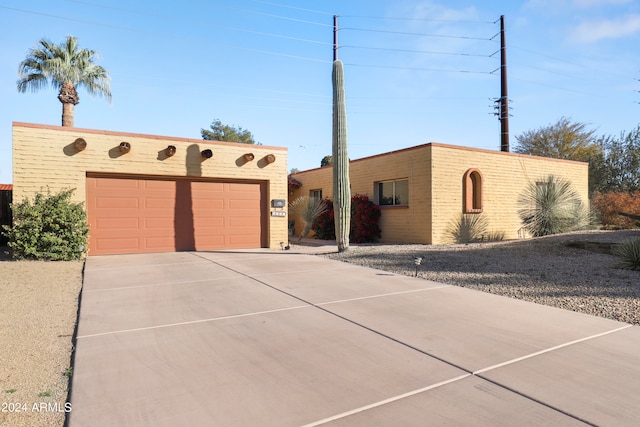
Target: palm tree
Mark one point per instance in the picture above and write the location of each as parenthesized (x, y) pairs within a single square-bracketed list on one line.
[(66, 68)]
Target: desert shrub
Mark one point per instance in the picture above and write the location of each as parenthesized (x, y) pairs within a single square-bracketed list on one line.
[(468, 228), (365, 216), (50, 227), (308, 208), (324, 226), (552, 206), (609, 204), (629, 253)]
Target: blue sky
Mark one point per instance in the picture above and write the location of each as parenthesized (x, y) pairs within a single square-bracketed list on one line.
[(415, 71)]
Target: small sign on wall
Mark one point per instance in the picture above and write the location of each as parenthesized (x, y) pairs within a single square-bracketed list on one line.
[(278, 213), (278, 203)]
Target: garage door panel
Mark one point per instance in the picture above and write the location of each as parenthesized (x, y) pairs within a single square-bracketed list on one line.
[(118, 223), (158, 185), (159, 244), (129, 215), (239, 240), (117, 202), (159, 202), (204, 224), (109, 244), (116, 183), (159, 223), (250, 205)]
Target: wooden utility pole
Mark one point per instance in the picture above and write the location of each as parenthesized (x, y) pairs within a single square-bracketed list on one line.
[(504, 95)]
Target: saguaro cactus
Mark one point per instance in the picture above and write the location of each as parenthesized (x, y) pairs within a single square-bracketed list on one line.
[(341, 190)]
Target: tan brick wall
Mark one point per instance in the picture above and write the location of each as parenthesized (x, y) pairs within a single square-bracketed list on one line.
[(43, 156), (398, 224), (505, 177), (435, 173)]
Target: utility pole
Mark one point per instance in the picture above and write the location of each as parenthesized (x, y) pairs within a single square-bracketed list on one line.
[(504, 95), (335, 37)]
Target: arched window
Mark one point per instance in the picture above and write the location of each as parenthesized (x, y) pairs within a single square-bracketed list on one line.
[(472, 191)]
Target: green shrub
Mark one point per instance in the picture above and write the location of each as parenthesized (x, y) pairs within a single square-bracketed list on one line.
[(629, 253), (552, 207), (50, 227)]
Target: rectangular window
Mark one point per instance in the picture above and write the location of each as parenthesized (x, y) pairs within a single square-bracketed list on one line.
[(393, 193), (315, 194)]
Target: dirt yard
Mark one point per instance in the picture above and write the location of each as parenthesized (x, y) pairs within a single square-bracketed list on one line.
[(38, 310)]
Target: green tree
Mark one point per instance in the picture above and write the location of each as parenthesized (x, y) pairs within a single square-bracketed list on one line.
[(326, 161), (561, 140), (618, 167), (65, 67), (220, 132)]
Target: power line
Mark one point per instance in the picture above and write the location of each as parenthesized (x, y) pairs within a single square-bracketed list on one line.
[(391, 18), (270, 15), (293, 7), (415, 34), (416, 51), (418, 68), (566, 62), (172, 36), (220, 27)]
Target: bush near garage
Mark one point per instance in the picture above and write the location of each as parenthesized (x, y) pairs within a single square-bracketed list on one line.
[(365, 216), (609, 204), (51, 227)]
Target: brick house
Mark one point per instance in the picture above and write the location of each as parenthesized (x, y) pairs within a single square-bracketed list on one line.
[(422, 189), (147, 193)]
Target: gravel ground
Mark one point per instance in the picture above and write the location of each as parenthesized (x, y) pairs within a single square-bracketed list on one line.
[(38, 309), (542, 270)]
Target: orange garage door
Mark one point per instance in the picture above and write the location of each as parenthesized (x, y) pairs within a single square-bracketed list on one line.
[(133, 215)]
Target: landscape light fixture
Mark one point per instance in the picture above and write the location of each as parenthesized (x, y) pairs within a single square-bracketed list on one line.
[(417, 261)]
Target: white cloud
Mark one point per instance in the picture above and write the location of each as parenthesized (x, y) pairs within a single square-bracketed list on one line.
[(589, 3), (581, 4), (593, 31)]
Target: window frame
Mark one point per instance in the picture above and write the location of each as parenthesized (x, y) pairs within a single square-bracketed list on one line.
[(313, 194), (378, 193)]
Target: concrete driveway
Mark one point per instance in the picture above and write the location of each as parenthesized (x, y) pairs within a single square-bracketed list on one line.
[(270, 338)]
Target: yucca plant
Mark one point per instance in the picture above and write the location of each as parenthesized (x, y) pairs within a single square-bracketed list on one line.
[(629, 253), (468, 228), (551, 207), (308, 209)]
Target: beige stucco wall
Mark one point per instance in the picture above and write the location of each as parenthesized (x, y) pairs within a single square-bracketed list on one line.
[(44, 156), (435, 173)]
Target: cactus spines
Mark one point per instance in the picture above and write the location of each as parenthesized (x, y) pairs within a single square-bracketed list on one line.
[(341, 187)]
